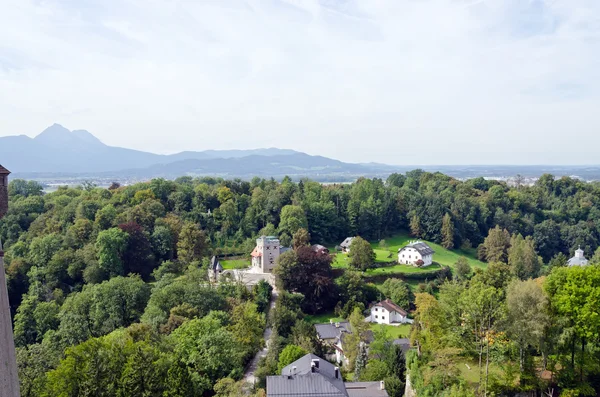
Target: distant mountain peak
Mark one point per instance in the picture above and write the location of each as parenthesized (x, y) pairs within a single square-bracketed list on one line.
[(57, 135)]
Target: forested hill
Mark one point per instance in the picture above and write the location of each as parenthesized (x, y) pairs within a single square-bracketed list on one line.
[(109, 286)]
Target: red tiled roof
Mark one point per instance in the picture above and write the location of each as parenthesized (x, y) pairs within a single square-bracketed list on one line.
[(4, 170), (255, 253), (392, 307)]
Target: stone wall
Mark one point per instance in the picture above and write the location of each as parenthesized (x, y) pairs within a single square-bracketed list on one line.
[(3, 199)]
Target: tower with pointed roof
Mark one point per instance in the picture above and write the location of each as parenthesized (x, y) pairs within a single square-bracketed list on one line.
[(9, 381)]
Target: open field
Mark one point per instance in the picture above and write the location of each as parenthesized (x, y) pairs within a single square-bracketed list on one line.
[(442, 256)]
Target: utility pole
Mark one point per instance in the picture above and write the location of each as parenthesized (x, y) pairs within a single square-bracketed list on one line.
[(9, 381)]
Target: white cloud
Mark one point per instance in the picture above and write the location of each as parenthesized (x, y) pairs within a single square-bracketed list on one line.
[(398, 81)]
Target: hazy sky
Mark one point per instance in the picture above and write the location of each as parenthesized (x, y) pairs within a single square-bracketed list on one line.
[(398, 81)]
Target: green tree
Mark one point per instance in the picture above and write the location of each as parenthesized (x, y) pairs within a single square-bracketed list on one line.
[(288, 355), (192, 244), (462, 269), (292, 218), (361, 361), (362, 256), (496, 245), (415, 226), (398, 291), (447, 232), (209, 350), (301, 238), (522, 258), (353, 340), (527, 315), (110, 246)]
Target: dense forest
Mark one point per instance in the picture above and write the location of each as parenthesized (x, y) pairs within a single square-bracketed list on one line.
[(110, 294)]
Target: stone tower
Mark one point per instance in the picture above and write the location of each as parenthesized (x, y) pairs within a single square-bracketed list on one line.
[(9, 382)]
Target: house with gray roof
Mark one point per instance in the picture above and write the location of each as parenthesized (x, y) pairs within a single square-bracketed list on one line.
[(389, 313), (333, 334), (345, 245), (311, 376), (214, 269), (416, 253), (579, 259)]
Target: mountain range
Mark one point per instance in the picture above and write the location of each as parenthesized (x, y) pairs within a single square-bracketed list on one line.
[(57, 151), (58, 155)]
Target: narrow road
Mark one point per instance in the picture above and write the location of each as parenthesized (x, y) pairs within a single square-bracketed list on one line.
[(249, 375)]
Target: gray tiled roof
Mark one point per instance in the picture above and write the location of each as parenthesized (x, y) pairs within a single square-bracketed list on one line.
[(309, 385), (421, 248), (346, 243), (365, 389), (304, 382), (330, 331), (404, 343), (392, 307), (215, 264)]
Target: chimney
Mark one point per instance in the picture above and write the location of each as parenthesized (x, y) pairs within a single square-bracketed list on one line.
[(381, 385), (337, 372), (337, 325), (315, 362), (294, 370)]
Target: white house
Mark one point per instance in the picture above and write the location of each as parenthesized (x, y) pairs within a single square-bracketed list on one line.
[(414, 252), (345, 245), (266, 253), (387, 312), (578, 260)]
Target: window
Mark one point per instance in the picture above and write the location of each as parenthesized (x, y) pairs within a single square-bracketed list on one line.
[(376, 309), (382, 317), (376, 316)]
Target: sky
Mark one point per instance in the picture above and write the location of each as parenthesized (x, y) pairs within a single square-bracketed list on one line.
[(389, 81)]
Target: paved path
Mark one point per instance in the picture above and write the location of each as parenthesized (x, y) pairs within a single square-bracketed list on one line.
[(249, 375)]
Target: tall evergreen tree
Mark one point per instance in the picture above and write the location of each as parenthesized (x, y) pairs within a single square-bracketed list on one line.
[(447, 232)]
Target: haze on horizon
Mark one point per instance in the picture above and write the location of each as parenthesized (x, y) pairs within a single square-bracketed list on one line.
[(397, 81)]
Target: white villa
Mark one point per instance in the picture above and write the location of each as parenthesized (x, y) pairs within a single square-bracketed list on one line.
[(389, 313), (265, 254), (414, 252), (579, 259)]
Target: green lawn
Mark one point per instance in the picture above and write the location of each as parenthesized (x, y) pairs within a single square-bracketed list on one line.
[(322, 318), (394, 332), (235, 263), (442, 256), (472, 375)]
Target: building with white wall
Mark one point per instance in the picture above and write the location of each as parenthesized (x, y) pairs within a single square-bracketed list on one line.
[(389, 313), (265, 254), (414, 252)]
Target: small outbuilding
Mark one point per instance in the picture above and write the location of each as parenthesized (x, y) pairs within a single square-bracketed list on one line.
[(215, 269), (345, 245)]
